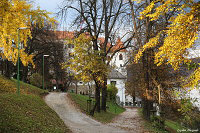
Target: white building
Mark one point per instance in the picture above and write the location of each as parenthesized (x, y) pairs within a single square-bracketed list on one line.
[(118, 62), (116, 78), (195, 96)]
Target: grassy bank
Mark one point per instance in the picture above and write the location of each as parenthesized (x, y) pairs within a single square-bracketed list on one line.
[(10, 86), (27, 112), (112, 110)]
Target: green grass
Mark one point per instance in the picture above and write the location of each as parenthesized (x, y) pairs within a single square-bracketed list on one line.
[(10, 86), (172, 125), (30, 89), (148, 125), (105, 117), (27, 112)]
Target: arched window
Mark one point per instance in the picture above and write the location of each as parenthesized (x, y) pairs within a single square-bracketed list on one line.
[(120, 57)]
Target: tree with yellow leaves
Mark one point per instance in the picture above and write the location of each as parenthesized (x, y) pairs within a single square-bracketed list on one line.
[(87, 65), (179, 35), (85, 61), (15, 14)]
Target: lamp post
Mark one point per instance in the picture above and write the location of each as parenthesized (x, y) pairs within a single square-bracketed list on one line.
[(18, 58), (43, 70)]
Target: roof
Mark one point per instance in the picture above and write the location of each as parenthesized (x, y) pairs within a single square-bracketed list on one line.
[(114, 74), (119, 44), (64, 34), (71, 34)]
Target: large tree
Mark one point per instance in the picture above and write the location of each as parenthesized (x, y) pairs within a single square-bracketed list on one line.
[(45, 41), (15, 14), (163, 33), (179, 34), (144, 30), (100, 19)]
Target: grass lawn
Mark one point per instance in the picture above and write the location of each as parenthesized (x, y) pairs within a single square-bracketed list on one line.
[(27, 112), (105, 117)]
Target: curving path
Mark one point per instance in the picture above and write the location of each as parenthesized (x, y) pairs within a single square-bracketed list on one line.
[(74, 119)]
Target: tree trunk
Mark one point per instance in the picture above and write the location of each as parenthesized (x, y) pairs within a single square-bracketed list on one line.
[(25, 74), (97, 98), (133, 100), (76, 87), (147, 102), (104, 94), (92, 111), (7, 69)]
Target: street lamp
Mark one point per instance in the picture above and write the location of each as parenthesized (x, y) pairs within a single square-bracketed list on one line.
[(18, 58), (43, 70)]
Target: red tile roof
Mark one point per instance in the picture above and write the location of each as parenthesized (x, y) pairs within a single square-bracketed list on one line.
[(119, 44), (70, 34), (64, 34)]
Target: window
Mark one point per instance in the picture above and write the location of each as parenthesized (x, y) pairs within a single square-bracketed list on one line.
[(109, 58), (120, 57), (113, 83)]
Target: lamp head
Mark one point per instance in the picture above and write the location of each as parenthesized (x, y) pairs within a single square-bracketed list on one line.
[(22, 28), (45, 55)]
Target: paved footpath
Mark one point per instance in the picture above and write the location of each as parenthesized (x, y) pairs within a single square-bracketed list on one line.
[(130, 121), (81, 123), (74, 119)]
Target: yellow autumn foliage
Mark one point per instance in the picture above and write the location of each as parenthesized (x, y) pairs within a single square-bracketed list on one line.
[(86, 62), (181, 33), (15, 14)]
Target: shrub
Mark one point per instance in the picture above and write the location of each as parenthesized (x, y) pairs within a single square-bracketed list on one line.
[(158, 122), (36, 80), (191, 114), (112, 91)]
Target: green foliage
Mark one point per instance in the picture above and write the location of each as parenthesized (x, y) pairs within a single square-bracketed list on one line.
[(111, 91), (186, 108), (158, 122), (112, 111), (173, 125), (191, 115), (36, 80), (154, 126)]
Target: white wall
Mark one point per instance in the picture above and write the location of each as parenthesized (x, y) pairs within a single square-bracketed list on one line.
[(118, 63), (195, 95), (120, 84)]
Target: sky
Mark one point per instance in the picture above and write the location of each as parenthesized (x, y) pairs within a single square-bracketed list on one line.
[(49, 5), (53, 7)]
